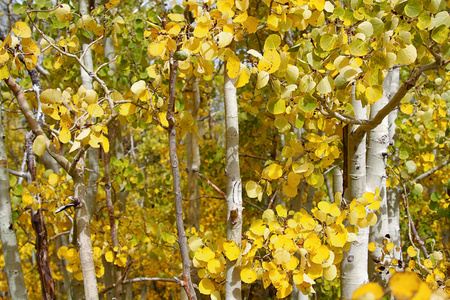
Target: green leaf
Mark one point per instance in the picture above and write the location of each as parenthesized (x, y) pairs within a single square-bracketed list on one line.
[(424, 20), (359, 47), (404, 154), (366, 28), (19, 9), (273, 41), (407, 55), (328, 42), (276, 106), (324, 86), (411, 166), (413, 8), (435, 197), (440, 34), (433, 205), (308, 104), (417, 189), (39, 145)]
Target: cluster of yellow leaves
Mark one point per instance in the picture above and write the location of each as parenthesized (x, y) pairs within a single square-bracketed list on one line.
[(75, 114), (322, 152), (287, 244), (402, 285), (19, 38), (72, 257)]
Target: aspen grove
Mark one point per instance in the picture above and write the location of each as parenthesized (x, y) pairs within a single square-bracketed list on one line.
[(225, 149)]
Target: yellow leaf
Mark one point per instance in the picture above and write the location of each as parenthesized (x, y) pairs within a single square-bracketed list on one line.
[(62, 13), (273, 22), (76, 145), (262, 80), (109, 256), (105, 143), (204, 254), (223, 39), (51, 96), (95, 110), (273, 41), (127, 109), (258, 227), (253, 189), (65, 135), (330, 273), (251, 24), (112, 3), (370, 290), (248, 275), (27, 199), (225, 5), (281, 211), (321, 255), (176, 17), (62, 252), (21, 29), (206, 286), (292, 264), (405, 285), (195, 242), (374, 93), (233, 66), (53, 179), (215, 266), (243, 77), (39, 145), (411, 251), (156, 48), (281, 256), (407, 55), (372, 246), (231, 250), (271, 61), (273, 172), (4, 73), (407, 108)]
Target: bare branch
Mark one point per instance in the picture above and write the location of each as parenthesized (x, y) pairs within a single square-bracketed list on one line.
[(431, 171)]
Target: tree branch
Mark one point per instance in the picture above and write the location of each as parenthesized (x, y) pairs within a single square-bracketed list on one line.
[(431, 171), (406, 86)]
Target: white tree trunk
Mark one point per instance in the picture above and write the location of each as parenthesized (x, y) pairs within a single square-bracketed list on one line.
[(354, 262), (234, 185), (394, 193), (376, 178), (193, 161), (13, 266)]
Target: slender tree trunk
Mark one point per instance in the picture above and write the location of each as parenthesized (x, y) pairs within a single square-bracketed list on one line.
[(182, 240), (338, 181), (83, 235), (354, 263), (394, 193), (234, 185), (40, 230), (376, 178), (193, 161), (112, 222), (13, 266)]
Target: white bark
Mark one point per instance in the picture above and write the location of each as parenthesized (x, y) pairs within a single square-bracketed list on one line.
[(13, 266), (394, 193), (376, 178), (193, 161), (338, 180), (354, 263), (234, 185)]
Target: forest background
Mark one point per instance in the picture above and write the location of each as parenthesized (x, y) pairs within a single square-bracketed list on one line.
[(225, 149)]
